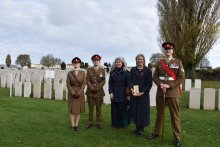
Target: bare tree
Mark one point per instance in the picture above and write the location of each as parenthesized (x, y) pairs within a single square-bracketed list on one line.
[(49, 60), (193, 26)]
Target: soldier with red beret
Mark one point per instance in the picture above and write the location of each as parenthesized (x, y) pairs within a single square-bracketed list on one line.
[(95, 81), (168, 76)]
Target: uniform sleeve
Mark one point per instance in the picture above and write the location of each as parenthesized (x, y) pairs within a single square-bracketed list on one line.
[(156, 75), (83, 83), (148, 82), (70, 89), (180, 76), (88, 83), (110, 84)]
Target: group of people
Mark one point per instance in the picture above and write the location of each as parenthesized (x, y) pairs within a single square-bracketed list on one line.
[(124, 86)]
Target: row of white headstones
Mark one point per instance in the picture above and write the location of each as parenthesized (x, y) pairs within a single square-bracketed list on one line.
[(28, 81), (195, 94)]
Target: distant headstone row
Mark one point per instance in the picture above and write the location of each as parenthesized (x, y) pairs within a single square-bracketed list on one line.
[(50, 84)]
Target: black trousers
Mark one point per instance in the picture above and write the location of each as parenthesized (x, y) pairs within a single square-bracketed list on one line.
[(117, 110)]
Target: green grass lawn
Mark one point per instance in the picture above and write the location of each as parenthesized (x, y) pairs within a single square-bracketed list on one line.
[(39, 122)]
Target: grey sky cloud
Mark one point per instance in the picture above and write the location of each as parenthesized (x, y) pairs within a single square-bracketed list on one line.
[(68, 28)]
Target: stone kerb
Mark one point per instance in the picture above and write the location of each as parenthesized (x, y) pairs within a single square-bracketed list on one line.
[(194, 98), (209, 99)]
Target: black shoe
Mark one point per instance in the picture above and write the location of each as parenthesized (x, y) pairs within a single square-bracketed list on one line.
[(73, 129), (77, 129), (152, 136), (89, 126), (177, 143), (99, 126), (139, 133)]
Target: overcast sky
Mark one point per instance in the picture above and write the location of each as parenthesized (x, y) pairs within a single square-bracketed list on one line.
[(69, 28)]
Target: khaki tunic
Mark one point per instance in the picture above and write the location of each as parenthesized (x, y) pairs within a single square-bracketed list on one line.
[(176, 66), (95, 81), (172, 96), (76, 85)]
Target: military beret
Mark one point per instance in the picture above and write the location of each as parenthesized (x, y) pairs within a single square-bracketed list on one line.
[(76, 60), (96, 57), (168, 45)]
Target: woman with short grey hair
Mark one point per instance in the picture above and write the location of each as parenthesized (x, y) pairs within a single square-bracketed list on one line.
[(118, 83), (140, 84)]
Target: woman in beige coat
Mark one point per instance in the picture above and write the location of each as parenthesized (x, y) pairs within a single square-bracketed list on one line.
[(76, 100)]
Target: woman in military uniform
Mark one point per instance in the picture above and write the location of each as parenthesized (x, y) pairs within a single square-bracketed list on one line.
[(76, 81)]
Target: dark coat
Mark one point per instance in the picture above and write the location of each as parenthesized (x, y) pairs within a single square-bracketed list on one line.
[(140, 106), (118, 82)]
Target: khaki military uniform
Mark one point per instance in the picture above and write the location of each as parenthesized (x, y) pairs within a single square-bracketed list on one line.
[(172, 95), (95, 81), (76, 85)]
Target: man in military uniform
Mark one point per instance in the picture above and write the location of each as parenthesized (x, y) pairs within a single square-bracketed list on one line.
[(168, 76), (95, 81)]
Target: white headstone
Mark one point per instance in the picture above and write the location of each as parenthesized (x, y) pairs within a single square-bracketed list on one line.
[(219, 99), (49, 74), (9, 79), (22, 77), (55, 82), (106, 99), (27, 77), (188, 84), (27, 89), (153, 93), (59, 91), (209, 99), (3, 82), (47, 90), (37, 90), (197, 83), (18, 89), (66, 94), (194, 98)]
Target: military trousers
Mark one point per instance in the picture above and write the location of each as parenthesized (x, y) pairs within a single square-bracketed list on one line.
[(173, 103), (97, 102)]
